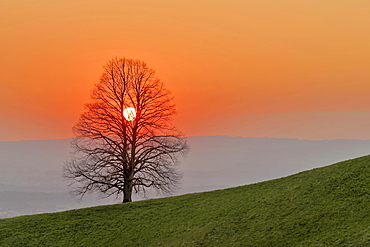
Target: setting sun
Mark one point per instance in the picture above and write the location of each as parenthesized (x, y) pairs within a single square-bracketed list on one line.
[(129, 113)]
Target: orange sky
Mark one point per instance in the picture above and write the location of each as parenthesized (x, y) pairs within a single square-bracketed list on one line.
[(297, 69)]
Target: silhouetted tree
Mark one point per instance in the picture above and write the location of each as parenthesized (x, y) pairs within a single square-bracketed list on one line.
[(119, 151)]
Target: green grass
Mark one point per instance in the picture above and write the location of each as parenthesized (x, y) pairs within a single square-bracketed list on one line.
[(329, 206)]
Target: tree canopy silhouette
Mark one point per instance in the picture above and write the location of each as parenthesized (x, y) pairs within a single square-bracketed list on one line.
[(125, 139)]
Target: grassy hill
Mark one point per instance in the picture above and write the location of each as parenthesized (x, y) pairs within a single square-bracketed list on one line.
[(329, 206)]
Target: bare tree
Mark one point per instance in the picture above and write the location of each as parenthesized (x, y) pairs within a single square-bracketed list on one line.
[(125, 140)]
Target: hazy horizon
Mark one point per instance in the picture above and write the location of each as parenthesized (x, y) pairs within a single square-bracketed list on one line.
[(31, 171), (231, 136)]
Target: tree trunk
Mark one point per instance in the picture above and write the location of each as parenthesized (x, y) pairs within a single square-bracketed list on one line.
[(127, 192)]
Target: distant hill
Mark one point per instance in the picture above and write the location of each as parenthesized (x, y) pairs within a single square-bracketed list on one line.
[(327, 206), (31, 182)]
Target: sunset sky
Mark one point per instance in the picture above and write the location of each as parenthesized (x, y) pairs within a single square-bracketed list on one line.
[(267, 68)]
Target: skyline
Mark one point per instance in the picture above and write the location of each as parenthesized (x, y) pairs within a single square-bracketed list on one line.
[(240, 68)]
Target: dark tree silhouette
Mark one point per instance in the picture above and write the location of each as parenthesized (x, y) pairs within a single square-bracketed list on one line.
[(119, 151)]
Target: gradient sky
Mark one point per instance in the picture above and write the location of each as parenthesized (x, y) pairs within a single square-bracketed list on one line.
[(296, 69)]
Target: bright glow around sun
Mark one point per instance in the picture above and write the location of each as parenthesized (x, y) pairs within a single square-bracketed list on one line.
[(129, 113)]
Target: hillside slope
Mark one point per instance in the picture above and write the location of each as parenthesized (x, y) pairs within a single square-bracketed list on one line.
[(325, 206)]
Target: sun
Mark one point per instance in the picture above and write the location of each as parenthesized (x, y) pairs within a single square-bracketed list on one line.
[(129, 113)]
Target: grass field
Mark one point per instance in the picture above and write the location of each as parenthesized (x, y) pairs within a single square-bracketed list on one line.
[(329, 206)]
